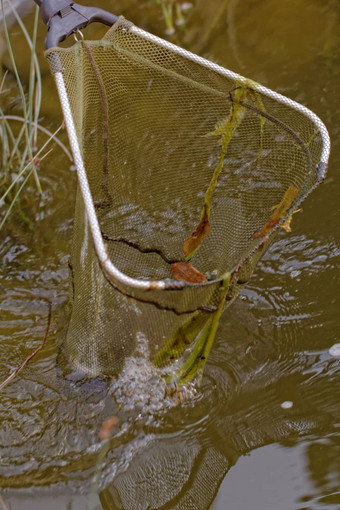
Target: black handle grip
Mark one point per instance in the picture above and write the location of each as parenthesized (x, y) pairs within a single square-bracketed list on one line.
[(64, 17)]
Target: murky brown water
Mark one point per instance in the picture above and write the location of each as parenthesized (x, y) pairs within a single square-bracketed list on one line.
[(237, 444)]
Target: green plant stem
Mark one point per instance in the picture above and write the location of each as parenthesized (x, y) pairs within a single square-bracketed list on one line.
[(181, 340), (180, 20), (9, 133), (31, 88), (35, 85), (20, 174), (194, 366), (16, 197), (47, 132), (22, 94), (5, 145), (226, 131), (166, 7)]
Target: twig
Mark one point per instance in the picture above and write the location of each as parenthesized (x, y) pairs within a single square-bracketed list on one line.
[(24, 363)]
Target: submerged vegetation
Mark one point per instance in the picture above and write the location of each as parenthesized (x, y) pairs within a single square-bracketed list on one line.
[(200, 329)]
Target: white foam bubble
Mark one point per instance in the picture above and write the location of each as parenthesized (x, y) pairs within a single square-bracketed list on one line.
[(287, 404), (335, 350), (140, 388)]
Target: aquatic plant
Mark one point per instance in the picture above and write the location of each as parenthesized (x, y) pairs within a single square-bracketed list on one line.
[(225, 131), (173, 14)]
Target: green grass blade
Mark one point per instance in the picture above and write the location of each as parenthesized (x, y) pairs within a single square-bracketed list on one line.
[(16, 196), (21, 91), (27, 166)]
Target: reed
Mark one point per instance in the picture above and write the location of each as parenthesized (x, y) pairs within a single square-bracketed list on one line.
[(21, 151)]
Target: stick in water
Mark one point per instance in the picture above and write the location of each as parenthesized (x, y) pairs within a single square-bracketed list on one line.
[(38, 349)]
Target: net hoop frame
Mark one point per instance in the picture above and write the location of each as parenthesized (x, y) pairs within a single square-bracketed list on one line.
[(107, 265)]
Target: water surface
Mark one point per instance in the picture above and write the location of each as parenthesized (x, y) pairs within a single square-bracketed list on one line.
[(262, 431)]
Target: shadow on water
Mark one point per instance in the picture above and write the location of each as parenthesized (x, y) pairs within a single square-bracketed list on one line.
[(269, 400)]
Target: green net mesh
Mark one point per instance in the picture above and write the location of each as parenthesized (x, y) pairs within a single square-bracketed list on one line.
[(176, 151)]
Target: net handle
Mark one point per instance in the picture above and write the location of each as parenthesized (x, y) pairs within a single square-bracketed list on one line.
[(64, 17)]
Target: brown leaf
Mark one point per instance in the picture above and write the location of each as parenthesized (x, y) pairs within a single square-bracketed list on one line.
[(286, 224), (194, 240), (186, 272), (278, 212), (107, 427)]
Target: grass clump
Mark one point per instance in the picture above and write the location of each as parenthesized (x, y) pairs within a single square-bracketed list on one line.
[(20, 155)]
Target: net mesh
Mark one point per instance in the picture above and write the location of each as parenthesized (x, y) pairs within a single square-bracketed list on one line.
[(170, 144)]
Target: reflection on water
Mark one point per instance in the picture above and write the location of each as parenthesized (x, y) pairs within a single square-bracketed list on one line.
[(184, 453), (286, 471), (272, 346)]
